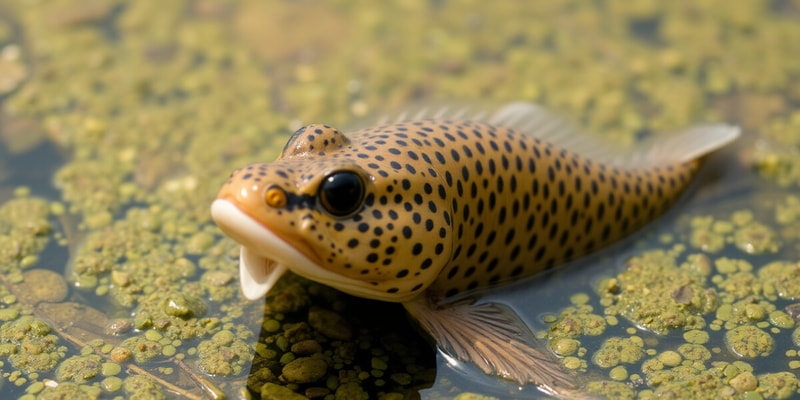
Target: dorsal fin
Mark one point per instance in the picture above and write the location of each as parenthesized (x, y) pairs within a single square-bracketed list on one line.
[(313, 139), (671, 148), (531, 119)]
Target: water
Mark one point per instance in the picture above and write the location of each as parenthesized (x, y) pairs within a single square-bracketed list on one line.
[(130, 116)]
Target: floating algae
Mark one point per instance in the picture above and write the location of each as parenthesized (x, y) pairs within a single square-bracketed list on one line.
[(154, 102), (724, 301), (656, 294)]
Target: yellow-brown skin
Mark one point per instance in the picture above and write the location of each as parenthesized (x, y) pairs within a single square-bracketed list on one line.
[(449, 206)]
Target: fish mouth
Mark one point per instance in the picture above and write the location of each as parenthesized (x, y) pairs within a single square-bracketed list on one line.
[(265, 256)]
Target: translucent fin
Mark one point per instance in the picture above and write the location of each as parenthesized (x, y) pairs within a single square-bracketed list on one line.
[(686, 145), (534, 120), (671, 148), (526, 118), (438, 110), (496, 341)]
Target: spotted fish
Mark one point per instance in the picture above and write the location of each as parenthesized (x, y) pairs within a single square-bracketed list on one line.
[(426, 211)]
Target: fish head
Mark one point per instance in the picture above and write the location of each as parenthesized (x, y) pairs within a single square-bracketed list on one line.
[(335, 216)]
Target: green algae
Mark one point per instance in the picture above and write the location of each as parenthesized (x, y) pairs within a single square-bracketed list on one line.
[(29, 344), (673, 296), (224, 354), (747, 234), (574, 321), (69, 390), (748, 341), (724, 304), (776, 158), (161, 311), (24, 231), (619, 350), (79, 369), (611, 390), (139, 387)]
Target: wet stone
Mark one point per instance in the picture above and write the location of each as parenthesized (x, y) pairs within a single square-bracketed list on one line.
[(306, 347), (121, 354), (291, 298), (794, 311), (744, 382), (317, 392), (329, 324), (271, 391), (118, 326), (683, 295), (351, 391), (304, 370)]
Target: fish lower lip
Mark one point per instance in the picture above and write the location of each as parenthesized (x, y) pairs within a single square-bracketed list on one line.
[(257, 274)]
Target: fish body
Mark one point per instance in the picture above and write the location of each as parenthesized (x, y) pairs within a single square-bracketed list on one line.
[(425, 212)]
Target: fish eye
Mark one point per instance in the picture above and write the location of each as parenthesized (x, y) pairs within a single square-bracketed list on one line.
[(275, 197), (341, 193)]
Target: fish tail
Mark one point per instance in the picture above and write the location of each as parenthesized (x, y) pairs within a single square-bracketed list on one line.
[(682, 146)]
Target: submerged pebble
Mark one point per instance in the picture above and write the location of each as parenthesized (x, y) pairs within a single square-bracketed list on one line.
[(304, 370), (271, 391), (329, 323), (744, 382)]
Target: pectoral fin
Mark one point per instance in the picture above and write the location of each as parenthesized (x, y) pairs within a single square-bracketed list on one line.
[(496, 341)]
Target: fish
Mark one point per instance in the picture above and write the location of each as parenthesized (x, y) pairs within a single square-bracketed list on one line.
[(430, 208)]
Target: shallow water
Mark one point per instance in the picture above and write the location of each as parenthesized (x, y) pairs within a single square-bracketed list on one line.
[(120, 120)]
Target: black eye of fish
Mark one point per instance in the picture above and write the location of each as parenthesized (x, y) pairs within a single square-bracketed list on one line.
[(341, 193)]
